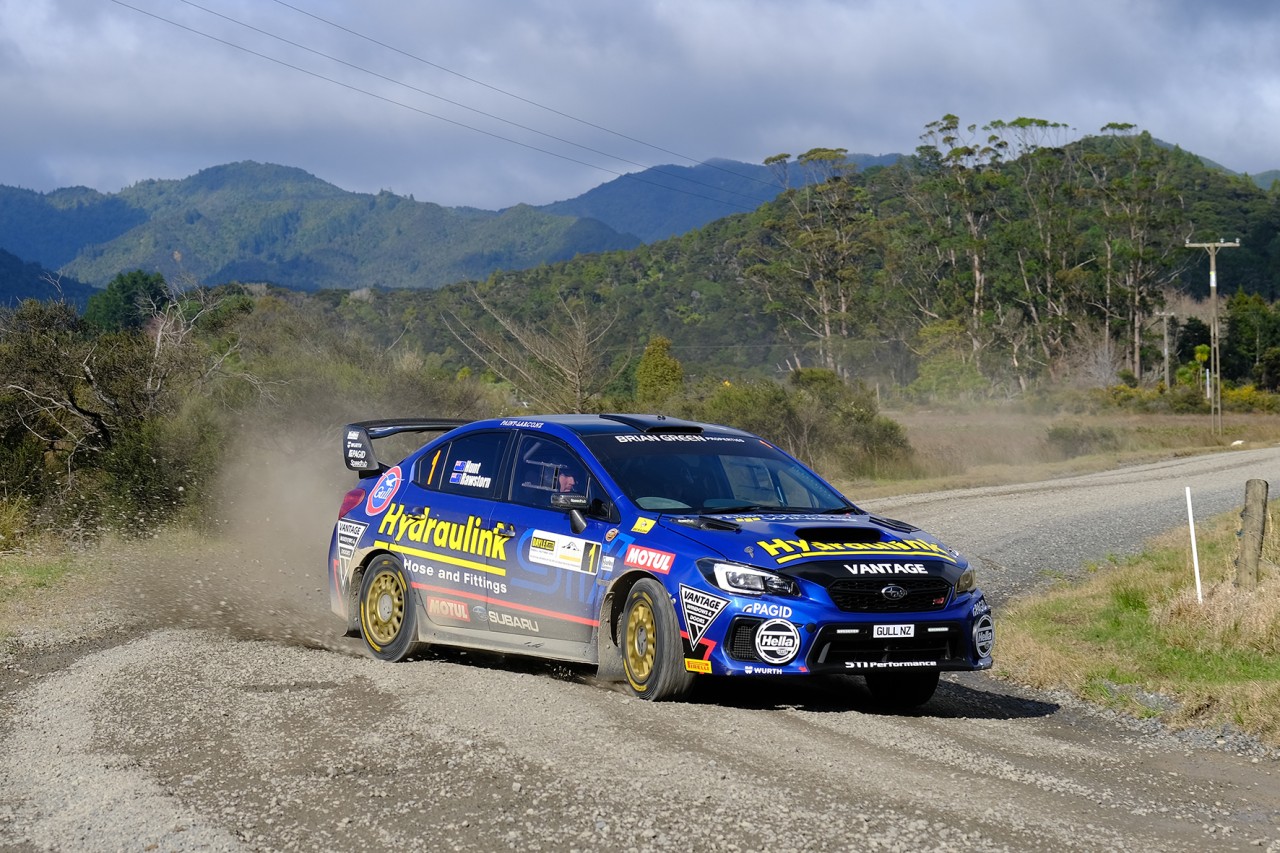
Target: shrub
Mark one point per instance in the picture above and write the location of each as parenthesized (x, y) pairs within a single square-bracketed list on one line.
[(1072, 439)]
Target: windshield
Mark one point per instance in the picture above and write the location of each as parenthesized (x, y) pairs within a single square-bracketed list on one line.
[(710, 473)]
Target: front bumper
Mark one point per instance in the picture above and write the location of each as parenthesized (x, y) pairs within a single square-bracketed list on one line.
[(960, 639)]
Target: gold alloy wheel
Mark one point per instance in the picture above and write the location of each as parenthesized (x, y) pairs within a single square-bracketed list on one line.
[(641, 636), (384, 608)]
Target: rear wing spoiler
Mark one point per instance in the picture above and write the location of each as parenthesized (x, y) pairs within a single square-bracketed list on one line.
[(358, 438)]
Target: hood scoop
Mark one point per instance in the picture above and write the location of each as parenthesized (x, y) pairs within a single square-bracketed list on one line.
[(838, 535)]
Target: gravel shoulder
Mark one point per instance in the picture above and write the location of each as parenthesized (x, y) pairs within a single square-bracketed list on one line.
[(193, 694)]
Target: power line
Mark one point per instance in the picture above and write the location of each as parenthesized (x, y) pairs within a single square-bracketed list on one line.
[(415, 109), (520, 98), (754, 201)]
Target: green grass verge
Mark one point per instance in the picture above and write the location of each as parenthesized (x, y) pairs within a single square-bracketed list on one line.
[(1134, 636), (22, 576)]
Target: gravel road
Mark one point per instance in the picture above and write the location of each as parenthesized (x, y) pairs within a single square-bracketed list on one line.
[(195, 695)]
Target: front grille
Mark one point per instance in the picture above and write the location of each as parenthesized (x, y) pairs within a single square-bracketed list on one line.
[(863, 595), (740, 641), (836, 645)]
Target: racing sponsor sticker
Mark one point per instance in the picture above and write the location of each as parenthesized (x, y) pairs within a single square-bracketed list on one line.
[(643, 525), (408, 528), (890, 664), (788, 550), (447, 608), (759, 608), (886, 568), (349, 533), (777, 642), (893, 631), (700, 610), (359, 453), (984, 635), (563, 552), (639, 557), (698, 665), (513, 621), (385, 489)]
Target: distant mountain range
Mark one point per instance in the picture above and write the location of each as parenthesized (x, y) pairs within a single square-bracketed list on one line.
[(259, 222), (255, 222)]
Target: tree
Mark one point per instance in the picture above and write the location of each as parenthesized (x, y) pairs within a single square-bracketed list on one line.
[(130, 300), (1132, 186), (659, 374), (557, 363), (814, 257)]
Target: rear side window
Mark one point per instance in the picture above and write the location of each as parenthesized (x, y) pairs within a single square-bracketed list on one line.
[(470, 465)]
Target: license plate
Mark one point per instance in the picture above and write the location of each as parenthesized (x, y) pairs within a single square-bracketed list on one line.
[(894, 631)]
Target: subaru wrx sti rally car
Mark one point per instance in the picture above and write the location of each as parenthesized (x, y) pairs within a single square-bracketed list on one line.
[(660, 550)]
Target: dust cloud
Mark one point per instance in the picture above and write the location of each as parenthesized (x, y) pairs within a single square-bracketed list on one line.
[(258, 570)]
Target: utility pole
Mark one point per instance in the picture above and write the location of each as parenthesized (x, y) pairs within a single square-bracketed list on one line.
[(1215, 363), (1165, 315)]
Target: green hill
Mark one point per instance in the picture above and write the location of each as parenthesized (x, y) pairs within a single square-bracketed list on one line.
[(257, 222), (21, 280), (667, 201)]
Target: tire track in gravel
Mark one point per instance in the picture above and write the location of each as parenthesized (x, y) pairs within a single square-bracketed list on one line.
[(208, 703)]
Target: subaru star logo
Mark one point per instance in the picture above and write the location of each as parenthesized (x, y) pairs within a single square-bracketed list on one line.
[(893, 592)]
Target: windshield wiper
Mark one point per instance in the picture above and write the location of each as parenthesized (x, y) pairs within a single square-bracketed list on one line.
[(733, 510), (843, 510)]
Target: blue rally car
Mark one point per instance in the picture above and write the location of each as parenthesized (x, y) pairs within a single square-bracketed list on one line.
[(658, 549)]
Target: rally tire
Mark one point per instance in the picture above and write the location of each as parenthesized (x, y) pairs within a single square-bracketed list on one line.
[(902, 691), (652, 652), (388, 610)]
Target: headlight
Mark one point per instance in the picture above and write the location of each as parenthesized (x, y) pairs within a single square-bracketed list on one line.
[(744, 580), (968, 580)]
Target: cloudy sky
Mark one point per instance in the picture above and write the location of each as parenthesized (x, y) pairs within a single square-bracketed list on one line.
[(493, 102)]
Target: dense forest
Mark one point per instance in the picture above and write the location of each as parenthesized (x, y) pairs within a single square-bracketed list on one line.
[(997, 263)]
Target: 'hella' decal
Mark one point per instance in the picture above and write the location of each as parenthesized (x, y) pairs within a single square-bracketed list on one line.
[(383, 492), (649, 558)]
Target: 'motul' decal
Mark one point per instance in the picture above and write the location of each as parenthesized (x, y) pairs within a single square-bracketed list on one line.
[(649, 558)]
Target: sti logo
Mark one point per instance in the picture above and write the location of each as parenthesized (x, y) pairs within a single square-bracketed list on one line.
[(383, 492)]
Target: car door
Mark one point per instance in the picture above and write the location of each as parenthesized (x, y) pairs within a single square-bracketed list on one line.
[(551, 591), (440, 525)]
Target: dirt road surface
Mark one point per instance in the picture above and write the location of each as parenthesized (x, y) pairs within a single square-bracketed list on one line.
[(196, 695)]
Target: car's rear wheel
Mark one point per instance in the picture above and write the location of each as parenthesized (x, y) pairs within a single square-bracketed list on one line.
[(652, 654), (902, 690), (388, 622)]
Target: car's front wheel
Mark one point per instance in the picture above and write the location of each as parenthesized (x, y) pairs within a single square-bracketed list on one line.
[(652, 654), (902, 690), (387, 620)]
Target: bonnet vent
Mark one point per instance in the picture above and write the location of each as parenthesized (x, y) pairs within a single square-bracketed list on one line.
[(838, 534)]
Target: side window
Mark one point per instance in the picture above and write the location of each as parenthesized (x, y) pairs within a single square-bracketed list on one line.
[(470, 465), (544, 467)]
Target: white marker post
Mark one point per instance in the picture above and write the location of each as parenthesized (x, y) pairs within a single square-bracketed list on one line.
[(1195, 557)]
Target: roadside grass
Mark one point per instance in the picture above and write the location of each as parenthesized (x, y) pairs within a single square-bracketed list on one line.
[(24, 577), (993, 446), (24, 574), (1133, 636)]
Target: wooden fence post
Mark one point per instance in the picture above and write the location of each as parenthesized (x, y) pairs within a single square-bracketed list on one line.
[(1253, 527)]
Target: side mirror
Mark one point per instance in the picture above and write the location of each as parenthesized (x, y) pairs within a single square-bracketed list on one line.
[(576, 504), (570, 501)]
